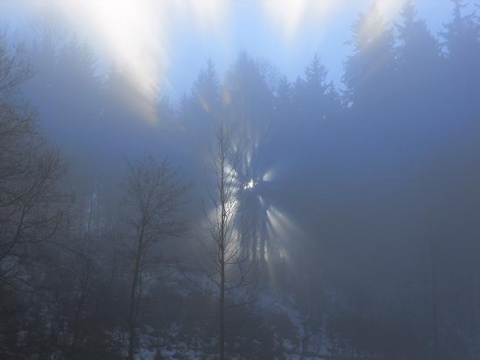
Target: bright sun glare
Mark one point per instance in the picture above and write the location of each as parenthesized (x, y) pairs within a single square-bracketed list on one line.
[(249, 185), (134, 35)]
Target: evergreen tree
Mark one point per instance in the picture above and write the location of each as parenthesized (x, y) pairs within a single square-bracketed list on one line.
[(418, 110), (368, 72), (200, 109), (249, 110), (459, 263), (315, 101), (418, 59), (315, 93), (462, 44)]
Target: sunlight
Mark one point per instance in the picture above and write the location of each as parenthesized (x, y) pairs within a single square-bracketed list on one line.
[(390, 8), (281, 224), (387, 10), (280, 230), (136, 35), (289, 16), (131, 33), (204, 104), (249, 185), (209, 15), (226, 96), (261, 200), (128, 36), (269, 175)]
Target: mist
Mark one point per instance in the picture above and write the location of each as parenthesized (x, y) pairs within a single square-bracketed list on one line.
[(223, 182)]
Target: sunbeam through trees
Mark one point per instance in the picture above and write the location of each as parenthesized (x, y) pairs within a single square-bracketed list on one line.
[(240, 180)]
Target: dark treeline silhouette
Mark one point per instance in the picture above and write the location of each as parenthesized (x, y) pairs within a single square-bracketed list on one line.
[(344, 224)]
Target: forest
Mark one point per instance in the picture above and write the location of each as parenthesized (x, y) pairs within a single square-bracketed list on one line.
[(256, 217)]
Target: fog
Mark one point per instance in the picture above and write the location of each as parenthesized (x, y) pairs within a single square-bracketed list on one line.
[(174, 187)]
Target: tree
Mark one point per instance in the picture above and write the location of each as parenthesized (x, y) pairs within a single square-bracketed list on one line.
[(420, 85), (315, 93), (29, 174), (228, 259), (457, 247), (368, 72), (200, 108), (418, 65), (419, 75), (154, 197), (205, 97), (462, 44), (249, 106), (462, 41), (31, 207), (249, 103), (315, 103)]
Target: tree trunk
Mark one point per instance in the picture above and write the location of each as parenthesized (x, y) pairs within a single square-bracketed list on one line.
[(223, 224), (134, 300), (433, 294), (222, 315)]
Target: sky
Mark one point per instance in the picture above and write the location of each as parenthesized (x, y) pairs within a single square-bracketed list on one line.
[(167, 42)]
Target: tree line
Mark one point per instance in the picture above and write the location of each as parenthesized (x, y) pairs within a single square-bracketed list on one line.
[(274, 218)]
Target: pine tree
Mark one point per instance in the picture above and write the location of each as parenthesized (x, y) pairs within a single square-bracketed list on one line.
[(369, 71)]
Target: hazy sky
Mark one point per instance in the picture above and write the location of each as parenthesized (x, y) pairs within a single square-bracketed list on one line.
[(172, 39)]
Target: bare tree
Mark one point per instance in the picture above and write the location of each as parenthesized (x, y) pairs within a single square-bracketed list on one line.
[(230, 262), (154, 197), (14, 69), (29, 172)]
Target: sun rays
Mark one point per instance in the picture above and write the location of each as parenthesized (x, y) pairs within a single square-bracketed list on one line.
[(290, 16), (272, 229), (139, 36), (135, 36)]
